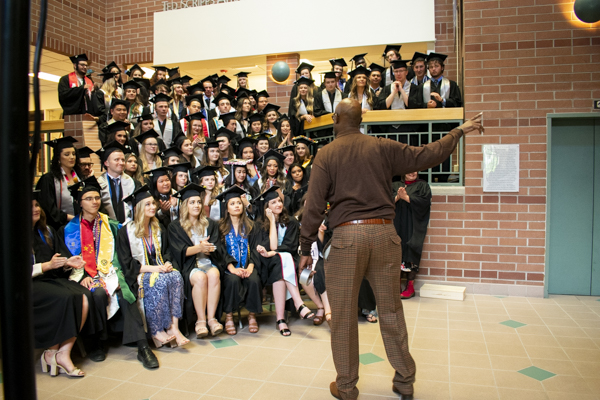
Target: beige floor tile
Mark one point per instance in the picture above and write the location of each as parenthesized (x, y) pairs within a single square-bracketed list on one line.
[(485, 309), (588, 369), (319, 346), (462, 346), (303, 359), (456, 307), (465, 325), (169, 394), (550, 353), (235, 388), (119, 370), (433, 314), (375, 385), (535, 330), (515, 380), (252, 370), (583, 354), (430, 344), (593, 383), (283, 343), (316, 394), (277, 391), (537, 340), (561, 396), (432, 333), (178, 360), (156, 377), (469, 336), (128, 391), (593, 333), (493, 318), (430, 356), (234, 352), (323, 378), (471, 376), (568, 384), (286, 374), (383, 368), (194, 382), (90, 387), (520, 394), (249, 339), (215, 365), (495, 327), (583, 314), (431, 390), (44, 395), (559, 367), (470, 360), (328, 364), (432, 323), (504, 337), (501, 349), (527, 319), (567, 331), (46, 383), (262, 354), (587, 323), (549, 321), (463, 316), (509, 363), (473, 392), (431, 372), (200, 346)]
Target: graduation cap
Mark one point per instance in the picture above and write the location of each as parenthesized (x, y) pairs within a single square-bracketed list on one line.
[(185, 79), (195, 88), (262, 93), (171, 152), (107, 75), (283, 117), (436, 56), (224, 132), (226, 118), (222, 79), (179, 139), (159, 83), (272, 154), (159, 68), (138, 195), (304, 65), (85, 152), (241, 93), (262, 136), (418, 57), (360, 70), (303, 139), (357, 59), (89, 184), (111, 66), (391, 47), (118, 102), (222, 96), (175, 81), (269, 194), (36, 194), (256, 117), (304, 81), (233, 192), (156, 173), (147, 116), (194, 117), (181, 167), (144, 82), (62, 143), (270, 107), (244, 143), (329, 75), (118, 126), (228, 89), (79, 57), (161, 97), (194, 97), (191, 190), (173, 71), (147, 135), (209, 78), (131, 85), (211, 143), (283, 149), (242, 74), (376, 67), (253, 93), (201, 172), (129, 72), (399, 64), (338, 61), (110, 148)]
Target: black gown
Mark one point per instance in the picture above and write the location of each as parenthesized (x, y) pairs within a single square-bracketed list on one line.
[(454, 97), (179, 241), (270, 268), (55, 217), (73, 100), (296, 197)]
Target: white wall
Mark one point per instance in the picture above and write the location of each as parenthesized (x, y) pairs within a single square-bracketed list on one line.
[(278, 24)]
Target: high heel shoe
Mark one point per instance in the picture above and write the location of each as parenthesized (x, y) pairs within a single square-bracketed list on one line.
[(215, 328), (56, 368), (179, 343), (201, 330), (285, 331), (158, 343), (308, 315), (43, 360)]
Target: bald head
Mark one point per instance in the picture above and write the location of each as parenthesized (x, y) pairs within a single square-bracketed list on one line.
[(348, 115)]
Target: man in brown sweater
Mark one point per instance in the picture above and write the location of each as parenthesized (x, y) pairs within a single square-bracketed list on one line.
[(354, 174)]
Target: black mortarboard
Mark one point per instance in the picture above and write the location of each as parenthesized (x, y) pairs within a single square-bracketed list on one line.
[(146, 135), (134, 67), (160, 68), (399, 64), (304, 65), (36, 194), (107, 75), (360, 70), (269, 194), (158, 83), (338, 61), (227, 89), (270, 107), (110, 148), (242, 74), (222, 96), (89, 184), (84, 152), (304, 81), (179, 139), (303, 139), (245, 142), (195, 88), (223, 79), (175, 81), (418, 56), (190, 190), (241, 93), (256, 117), (211, 143), (283, 149), (186, 79), (283, 117), (118, 126), (209, 78), (143, 81), (182, 167), (131, 85), (262, 93), (161, 97), (154, 174), (194, 97), (231, 193), (437, 56), (358, 58), (62, 143), (173, 71), (194, 117), (138, 195), (118, 102), (253, 93), (227, 117), (262, 136), (79, 57), (171, 152), (201, 172), (390, 47), (376, 67), (329, 75), (145, 117), (111, 66), (224, 132), (272, 154)]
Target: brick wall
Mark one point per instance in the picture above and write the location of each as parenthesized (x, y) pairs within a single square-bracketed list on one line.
[(280, 92)]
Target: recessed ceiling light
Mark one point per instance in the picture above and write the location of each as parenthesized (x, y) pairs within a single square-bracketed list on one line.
[(47, 77)]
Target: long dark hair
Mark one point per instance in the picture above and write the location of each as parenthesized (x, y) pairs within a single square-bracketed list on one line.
[(55, 164), (225, 224), (284, 217), (304, 177), (41, 225)]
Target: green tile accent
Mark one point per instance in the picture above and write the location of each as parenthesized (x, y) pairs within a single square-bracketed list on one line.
[(536, 373), (369, 358), (222, 343), (512, 323)]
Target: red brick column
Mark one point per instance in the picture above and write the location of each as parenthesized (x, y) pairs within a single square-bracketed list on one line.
[(83, 128), (280, 92)]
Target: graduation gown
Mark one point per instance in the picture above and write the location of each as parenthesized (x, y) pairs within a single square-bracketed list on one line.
[(387, 90), (296, 199), (454, 97), (55, 217), (160, 129), (73, 100), (179, 241), (270, 269), (412, 218)]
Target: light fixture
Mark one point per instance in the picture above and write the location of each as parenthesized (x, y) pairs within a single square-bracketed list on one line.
[(46, 77), (587, 10), (148, 72)]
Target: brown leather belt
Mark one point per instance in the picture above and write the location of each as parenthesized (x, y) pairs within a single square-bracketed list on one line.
[(375, 221)]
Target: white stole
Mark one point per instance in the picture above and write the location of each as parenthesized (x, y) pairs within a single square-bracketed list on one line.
[(444, 90), (398, 103), (327, 103), (167, 136)]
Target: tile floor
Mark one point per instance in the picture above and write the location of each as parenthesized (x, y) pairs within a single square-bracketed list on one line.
[(486, 347)]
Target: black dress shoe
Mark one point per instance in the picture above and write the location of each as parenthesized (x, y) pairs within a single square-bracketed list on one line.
[(97, 355), (147, 358), (402, 396)]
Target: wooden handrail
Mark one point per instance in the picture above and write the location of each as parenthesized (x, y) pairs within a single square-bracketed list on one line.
[(417, 115), (54, 125)]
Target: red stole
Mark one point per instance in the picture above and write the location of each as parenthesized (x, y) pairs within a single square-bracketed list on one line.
[(88, 247), (74, 82)]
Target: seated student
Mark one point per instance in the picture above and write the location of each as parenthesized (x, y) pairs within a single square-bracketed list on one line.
[(223, 102), (117, 132), (159, 181), (92, 235), (271, 174), (256, 124), (166, 126), (115, 185), (213, 158), (133, 168), (197, 132), (134, 100), (171, 156), (283, 138), (240, 281), (149, 151), (438, 92), (180, 175), (239, 177), (303, 152), (60, 306), (413, 206), (246, 153), (303, 106), (262, 146), (183, 143), (289, 154), (271, 112), (201, 258), (262, 99), (358, 60), (145, 123), (206, 176), (143, 252), (277, 238), (118, 112), (55, 197), (418, 65), (85, 161), (299, 182)]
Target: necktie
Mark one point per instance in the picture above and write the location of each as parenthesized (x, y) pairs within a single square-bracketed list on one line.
[(118, 188)]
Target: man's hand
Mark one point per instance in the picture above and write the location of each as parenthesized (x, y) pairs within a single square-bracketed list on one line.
[(305, 262), (473, 124), (437, 96), (87, 282), (75, 262), (431, 104)]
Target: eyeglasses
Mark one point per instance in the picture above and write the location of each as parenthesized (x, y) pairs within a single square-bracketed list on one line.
[(96, 198), (86, 165)]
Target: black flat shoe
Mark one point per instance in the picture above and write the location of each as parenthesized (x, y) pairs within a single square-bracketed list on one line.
[(284, 330), (97, 355), (147, 358)]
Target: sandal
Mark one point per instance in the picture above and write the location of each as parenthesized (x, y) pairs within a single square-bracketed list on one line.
[(308, 315), (371, 317), (284, 331), (230, 325), (215, 328), (252, 324), (319, 318), (201, 330), (44, 362), (328, 319), (56, 368), (160, 343)]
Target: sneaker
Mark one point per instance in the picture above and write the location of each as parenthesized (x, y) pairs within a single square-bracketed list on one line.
[(404, 268)]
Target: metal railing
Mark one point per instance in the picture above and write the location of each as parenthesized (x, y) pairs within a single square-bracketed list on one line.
[(50, 130), (414, 127)]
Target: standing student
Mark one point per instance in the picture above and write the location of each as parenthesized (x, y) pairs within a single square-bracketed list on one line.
[(118, 113), (271, 112), (243, 113), (213, 158), (242, 79), (439, 91), (303, 107), (284, 135), (375, 79), (223, 102), (197, 132), (132, 96), (262, 99), (177, 105), (329, 97), (75, 89), (337, 66), (303, 70), (145, 122), (359, 88), (418, 64), (208, 96), (358, 60), (160, 74)]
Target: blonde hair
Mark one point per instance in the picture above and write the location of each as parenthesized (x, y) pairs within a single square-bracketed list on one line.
[(144, 159), (354, 92), (199, 225), (309, 102), (138, 219), (110, 91)]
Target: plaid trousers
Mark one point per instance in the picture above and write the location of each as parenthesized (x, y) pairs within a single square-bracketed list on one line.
[(374, 252)]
